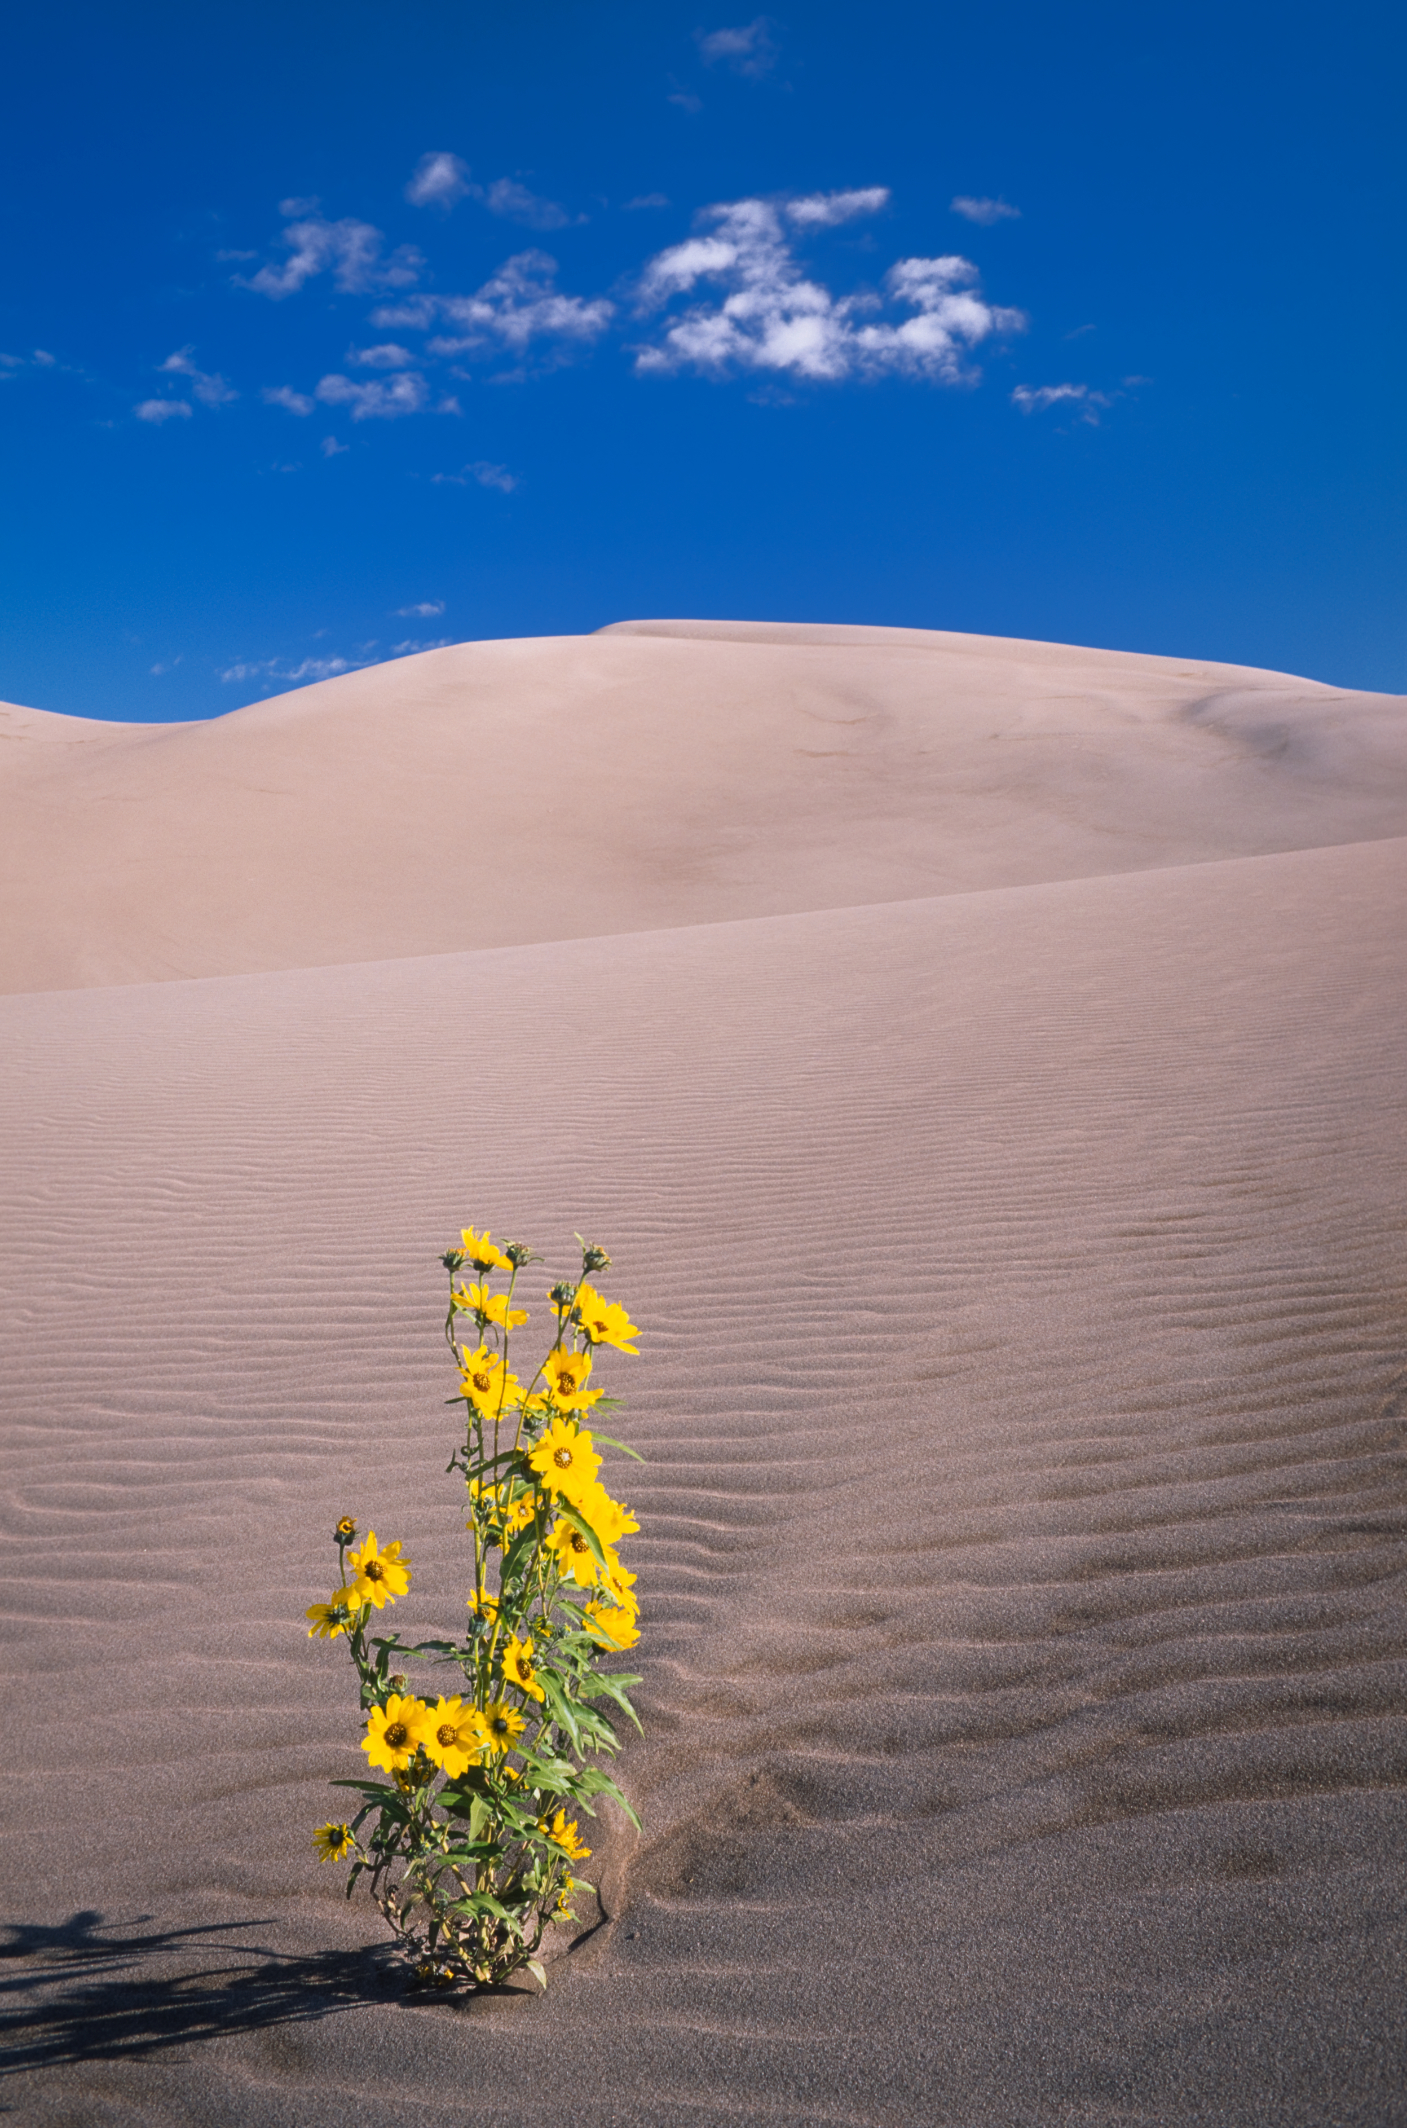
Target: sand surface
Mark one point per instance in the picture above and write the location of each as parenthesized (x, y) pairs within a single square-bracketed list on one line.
[(1024, 1387)]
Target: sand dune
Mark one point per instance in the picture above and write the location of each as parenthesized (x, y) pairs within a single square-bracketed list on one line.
[(1025, 1400), (503, 793)]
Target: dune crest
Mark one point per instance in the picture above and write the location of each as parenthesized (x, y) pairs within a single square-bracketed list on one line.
[(657, 774)]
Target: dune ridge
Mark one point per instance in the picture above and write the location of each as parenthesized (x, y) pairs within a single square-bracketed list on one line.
[(1024, 1395), (503, 793)]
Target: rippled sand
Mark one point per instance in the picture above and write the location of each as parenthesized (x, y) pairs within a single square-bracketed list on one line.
[(1024, 1396)]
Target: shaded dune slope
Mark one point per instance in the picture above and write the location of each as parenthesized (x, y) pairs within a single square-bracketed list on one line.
[(1026, 1414), (655, 774)]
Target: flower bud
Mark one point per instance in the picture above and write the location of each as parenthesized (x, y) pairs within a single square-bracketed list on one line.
[(593, 1258), (518, 1254), (562, 1295), (345, 1530), (452, 1259)]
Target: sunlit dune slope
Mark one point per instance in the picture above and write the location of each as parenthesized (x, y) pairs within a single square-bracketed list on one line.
[(657, 774)]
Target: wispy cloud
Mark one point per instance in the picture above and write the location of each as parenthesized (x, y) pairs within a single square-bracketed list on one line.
[(439, 180), (159, 671), (427, 610), (685, 98), (275, 669), (984, 211), (331, 448), (349, 250), (647, 199), (408, 649), (515, 203), (284, 395), (482, 472), (825, 210), (751, 50), (1033, 399), (385, 400), (773, 317), (208, 387), (520, 305), (158, 411), (388, 356), (39, 359)]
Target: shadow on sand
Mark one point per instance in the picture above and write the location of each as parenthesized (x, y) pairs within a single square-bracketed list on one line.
[(80, 1992)]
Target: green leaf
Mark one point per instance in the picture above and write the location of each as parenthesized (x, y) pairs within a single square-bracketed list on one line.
[(617, 1444), (538, 1974), (614, 1687)]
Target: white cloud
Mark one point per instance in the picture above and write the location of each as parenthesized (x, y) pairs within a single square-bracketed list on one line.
[(439, 181), (519, 305), (772, 317), (647, 199), (487, 476), (349, 250), (516, 204), (381, 401), (284, 395), (387, 357), (209, 388), (401, 650), (686, 100), (159, 410), (331, 448), (425, 611), (823, 210), (750, 51), (1033, 399), (273, 669), (157, 671), (44, 358), (984, 211)]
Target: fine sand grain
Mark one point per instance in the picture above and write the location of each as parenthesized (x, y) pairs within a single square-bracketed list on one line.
[(1024, 1393)]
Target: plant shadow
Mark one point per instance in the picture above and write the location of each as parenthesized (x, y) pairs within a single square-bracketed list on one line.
[(86, 1992)]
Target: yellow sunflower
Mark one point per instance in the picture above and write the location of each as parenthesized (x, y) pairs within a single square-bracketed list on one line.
[(488, 1385), (483, 1605), (575, 1559), (518, 1668), (454, 1735), (337, 1615), (614, 1623), (565, 1374), (395, 1732), (333, 1841), (482, 1253), (605, 1321), (492, 1307), (381, 1575), (503, 1725), (565, 1460), (565, 1836), (610, 1520)]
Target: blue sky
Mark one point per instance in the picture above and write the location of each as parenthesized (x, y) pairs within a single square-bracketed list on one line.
[(333, 332)]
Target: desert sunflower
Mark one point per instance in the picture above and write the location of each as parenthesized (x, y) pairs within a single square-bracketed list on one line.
[(482, 1253), (518, 1668), (610, 1520), (381, 1575), (395, 1732), (335, 1616), (503, 1725), (333, 1841), (575, 1559), (605, 1321), (614, 1623), (491, 1307), (566, 1836), (565, 1459), (453, 1735), (565, 1374), (488, 1385)]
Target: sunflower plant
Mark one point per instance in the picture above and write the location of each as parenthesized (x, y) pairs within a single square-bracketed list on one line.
[(469, 1838)]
